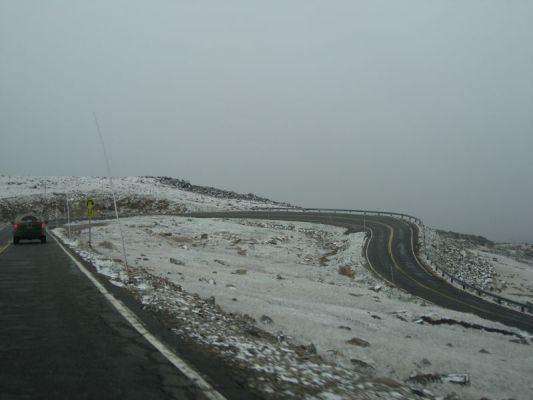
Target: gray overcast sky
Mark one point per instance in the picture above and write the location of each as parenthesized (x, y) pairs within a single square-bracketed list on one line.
[(424, 107)]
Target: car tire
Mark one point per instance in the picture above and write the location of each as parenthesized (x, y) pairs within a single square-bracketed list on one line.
[(16, 240), (43, 239)]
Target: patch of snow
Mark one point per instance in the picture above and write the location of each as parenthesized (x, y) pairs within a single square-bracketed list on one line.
[(290, 272)]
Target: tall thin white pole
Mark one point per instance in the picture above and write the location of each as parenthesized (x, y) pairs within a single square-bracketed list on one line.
[(112, 189), (68, 215)]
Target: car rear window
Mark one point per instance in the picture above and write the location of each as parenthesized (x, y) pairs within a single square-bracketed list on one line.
[(29, 218)]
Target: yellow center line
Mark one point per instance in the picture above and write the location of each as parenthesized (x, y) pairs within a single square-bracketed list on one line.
[(389, 248), (391, 237)]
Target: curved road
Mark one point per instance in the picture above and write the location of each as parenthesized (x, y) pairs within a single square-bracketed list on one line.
[(391, 254)]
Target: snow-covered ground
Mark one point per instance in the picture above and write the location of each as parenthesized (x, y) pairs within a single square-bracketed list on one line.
[(514, 278), (305, 284), (138, 195), (504, 269)]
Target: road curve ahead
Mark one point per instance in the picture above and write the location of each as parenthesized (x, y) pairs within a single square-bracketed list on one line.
[(391, 254), (61, 339)]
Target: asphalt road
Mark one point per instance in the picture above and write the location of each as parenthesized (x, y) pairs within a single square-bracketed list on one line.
[(61, 339), (391, 255)]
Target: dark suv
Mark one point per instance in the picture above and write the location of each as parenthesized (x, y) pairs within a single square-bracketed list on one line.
[(28, 228)]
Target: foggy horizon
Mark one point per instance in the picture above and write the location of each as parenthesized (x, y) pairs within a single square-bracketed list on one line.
[(414, 107)]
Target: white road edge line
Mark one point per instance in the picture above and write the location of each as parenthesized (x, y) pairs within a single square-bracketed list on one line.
[(181, 365), (2, 248)]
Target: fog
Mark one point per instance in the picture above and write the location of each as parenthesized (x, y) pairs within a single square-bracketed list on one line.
[(423, 107)]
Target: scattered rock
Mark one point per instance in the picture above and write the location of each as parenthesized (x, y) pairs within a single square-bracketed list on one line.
[(240, 271), (375, 316), (279, 277), (265, 319), (219, 262), (424, 379), (209, 281), (346, 328), (484, 351), (176, 262), (376, 288), (454, 396), (241, 252), (204, 236), (358, 342), (462, 379), (361, 364), (210, 300), (310, 348), (520, 340), (425, 362), (346, 270), (253, 331)]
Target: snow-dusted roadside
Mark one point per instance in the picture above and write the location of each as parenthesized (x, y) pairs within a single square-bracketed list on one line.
[(498, 268), (306, 286), (514, 278), (270, 363)]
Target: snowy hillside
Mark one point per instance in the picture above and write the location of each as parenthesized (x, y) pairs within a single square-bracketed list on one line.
[(136, 195)]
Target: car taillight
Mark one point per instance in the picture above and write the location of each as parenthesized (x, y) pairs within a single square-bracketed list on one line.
[(43, 226), (15, 226)]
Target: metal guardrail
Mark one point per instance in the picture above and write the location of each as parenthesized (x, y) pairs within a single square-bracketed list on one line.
[(480, 292), (420, 225), (341, 210)]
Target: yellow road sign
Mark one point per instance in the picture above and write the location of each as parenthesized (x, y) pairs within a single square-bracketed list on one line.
[(90, 207), (90, 203)]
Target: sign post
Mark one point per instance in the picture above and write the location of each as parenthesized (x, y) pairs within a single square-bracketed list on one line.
[(90, 214)]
